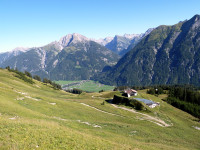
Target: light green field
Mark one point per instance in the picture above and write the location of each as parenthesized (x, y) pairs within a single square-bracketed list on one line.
[(87, 85), (63, 82), (38, 117)]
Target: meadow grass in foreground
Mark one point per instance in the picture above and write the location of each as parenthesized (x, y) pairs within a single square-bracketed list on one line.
[(37, 116)]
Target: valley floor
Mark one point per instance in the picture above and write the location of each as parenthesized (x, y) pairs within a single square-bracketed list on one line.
[(35, 116)]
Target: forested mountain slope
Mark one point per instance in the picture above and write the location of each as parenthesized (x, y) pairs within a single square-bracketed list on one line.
[(168, 55)]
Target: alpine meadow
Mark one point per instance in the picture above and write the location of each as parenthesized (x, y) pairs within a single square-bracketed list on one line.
[(100, 75)]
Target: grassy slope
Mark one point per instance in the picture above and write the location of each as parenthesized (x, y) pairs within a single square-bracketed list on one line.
[(65, 124)]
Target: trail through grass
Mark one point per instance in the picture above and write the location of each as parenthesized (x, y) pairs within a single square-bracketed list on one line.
[(35, 116)]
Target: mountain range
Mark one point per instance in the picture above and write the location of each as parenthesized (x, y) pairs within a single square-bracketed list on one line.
[(168, 55), (65, 59), (122, 44), (163, 55), (7, 55), (69, 57)]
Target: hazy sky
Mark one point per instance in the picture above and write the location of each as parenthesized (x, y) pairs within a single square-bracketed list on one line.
[(29, 23)]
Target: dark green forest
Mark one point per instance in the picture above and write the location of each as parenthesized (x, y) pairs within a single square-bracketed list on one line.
[(184, 97)]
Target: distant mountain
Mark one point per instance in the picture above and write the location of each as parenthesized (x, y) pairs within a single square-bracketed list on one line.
[(104, 41), (135, 41), (120, 44), (73, 57), (7, 55), (168, 55)]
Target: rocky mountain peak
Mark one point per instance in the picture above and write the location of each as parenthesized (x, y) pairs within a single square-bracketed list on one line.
[(196, 18), (72, 38), (148, 31), (18, 50), (103, 41), (22, 49), (131, 36), (193, 23)]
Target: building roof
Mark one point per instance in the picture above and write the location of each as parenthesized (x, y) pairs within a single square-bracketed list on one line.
[(134, 91), (129, 91)]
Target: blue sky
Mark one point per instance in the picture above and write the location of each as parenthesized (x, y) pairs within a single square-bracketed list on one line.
[(29, 23)]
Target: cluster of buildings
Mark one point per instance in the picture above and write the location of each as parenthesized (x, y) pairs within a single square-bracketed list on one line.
[(130, 92)]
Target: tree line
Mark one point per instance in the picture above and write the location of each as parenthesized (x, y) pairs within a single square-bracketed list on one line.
[(74, 91), (27, 77), (184, 97)]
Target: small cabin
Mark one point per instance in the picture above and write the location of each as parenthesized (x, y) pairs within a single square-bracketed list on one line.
[(130, 92)]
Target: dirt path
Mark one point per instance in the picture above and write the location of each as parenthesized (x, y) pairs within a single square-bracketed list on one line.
[(98, 97), (101, 110), (145, 116)]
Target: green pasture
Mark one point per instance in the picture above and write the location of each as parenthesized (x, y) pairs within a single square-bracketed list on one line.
[(87, 85), (35, 116)]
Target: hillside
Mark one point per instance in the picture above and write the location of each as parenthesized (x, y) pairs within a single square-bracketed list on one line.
[(168, 55), (36, 116)]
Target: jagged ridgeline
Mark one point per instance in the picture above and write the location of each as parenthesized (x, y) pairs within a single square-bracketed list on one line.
[(74, 57), (168, 55)]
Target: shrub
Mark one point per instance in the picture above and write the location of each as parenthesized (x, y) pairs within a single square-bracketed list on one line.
[(28, 74), (128, 102), (8, 68), (21, 75), (36, 77), (136, 104), (103, 103), (101, 91), (56, 86), (75, 91), (120, 88), (120, 100)]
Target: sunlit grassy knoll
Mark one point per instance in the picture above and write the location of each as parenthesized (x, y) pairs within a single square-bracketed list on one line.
[(37, 116)]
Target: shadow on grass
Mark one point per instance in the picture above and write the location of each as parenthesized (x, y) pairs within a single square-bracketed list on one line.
[(109, 101)]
